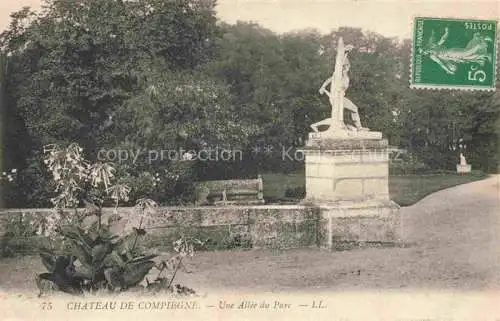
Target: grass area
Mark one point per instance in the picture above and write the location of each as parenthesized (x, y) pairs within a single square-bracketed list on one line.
[(404, 190), (409, 189), (276, 184)]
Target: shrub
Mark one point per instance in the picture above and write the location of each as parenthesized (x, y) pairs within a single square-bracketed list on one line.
[(172, 186), (296, 192), (91, 257), (20, 236)]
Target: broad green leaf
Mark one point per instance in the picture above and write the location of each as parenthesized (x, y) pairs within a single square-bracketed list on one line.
[(100, 251), (113, 277), (134, 273), (84, 271), (114, 258), (142, 258), (84, 238), (82, 252), (48, 260)]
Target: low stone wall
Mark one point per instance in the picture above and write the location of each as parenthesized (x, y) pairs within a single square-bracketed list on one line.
[(280, 226), (259, 226), (346, 223)]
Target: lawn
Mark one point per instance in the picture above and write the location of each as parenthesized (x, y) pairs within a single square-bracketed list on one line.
[(409, 189), (404, 190)]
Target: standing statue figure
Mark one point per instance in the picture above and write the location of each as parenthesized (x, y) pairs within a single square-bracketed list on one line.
[(339, 82), (463, 161)]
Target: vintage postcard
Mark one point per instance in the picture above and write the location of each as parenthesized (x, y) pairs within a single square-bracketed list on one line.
[(249, 160)]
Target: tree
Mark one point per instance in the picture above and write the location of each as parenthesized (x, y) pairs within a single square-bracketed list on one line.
[(438, 125), (275, 79), (73, 65)]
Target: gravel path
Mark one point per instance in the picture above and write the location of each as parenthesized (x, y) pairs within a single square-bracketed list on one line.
[(454, 246)]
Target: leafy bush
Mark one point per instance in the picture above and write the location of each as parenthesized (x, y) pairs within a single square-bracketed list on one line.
[(20, 236), (238, 241), (20, 230), (296, 192), (98, 260), (101, 256), (91, 257), (33, 188), (8, 186)]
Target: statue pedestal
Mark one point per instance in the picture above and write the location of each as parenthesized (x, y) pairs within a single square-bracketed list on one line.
[(463, 169), (348, 179)]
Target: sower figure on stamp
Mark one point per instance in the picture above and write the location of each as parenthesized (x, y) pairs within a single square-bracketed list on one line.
[(476, 51), (339, 83)]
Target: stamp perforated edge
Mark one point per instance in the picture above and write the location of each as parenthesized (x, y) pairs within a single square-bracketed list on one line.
[(455, 87)]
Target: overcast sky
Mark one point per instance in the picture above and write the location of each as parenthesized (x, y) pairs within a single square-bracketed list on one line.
[(387, 17)]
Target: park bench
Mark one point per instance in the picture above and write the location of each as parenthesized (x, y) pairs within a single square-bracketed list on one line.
[(236, 191)]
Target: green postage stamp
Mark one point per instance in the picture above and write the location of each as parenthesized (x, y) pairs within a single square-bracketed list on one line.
[(454, 54)]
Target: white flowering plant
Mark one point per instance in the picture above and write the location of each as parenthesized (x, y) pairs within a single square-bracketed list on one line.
[(9, 176), (92, 247), (94, 258), (76, 178), (183, 247)]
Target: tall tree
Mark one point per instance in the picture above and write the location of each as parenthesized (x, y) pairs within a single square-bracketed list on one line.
[(73, 65)]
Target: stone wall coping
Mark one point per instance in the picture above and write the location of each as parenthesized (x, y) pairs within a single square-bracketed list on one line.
[(306, 204), (31, 209), (353, 204), (346, 151), (349, 144), (173, 208)]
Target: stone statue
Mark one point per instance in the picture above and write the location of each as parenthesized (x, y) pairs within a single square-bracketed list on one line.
[(463, 167), (463, 162), (339, 82)]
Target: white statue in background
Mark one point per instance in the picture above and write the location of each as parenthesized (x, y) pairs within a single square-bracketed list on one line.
[(339, 82), (463, 162), (463, 167)]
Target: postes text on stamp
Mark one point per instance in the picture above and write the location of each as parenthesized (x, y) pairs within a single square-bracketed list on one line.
[(454, 54)]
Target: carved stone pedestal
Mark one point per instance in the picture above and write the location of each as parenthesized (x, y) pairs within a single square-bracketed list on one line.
[(348, 180)]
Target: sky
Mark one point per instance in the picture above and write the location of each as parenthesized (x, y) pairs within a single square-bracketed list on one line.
[(391, 18)]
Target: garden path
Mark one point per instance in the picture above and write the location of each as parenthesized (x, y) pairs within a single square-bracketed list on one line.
[(453, 238)]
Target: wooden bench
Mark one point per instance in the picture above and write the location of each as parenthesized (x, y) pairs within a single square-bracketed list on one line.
[(227, 192)]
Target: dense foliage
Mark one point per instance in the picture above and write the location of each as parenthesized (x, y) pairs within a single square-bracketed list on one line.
[(154, 75)]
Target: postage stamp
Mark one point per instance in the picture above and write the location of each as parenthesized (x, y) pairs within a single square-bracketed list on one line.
[(454, 54), (249, 160)]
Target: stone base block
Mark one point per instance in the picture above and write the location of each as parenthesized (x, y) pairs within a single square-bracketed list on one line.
[(347, 170), (341, 134), (463, 169), (359, 223)]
